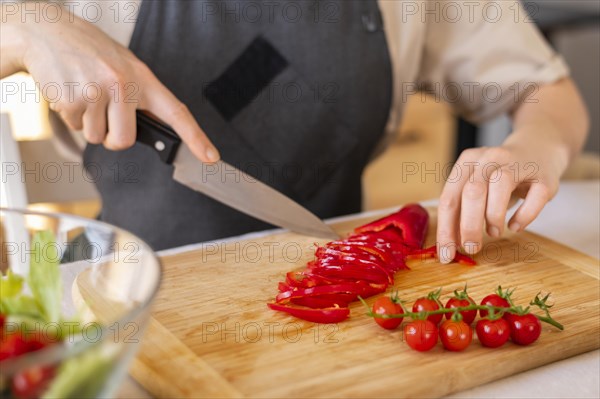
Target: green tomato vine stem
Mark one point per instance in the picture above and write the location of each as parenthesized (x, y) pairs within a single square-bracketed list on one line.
[(425, 314)]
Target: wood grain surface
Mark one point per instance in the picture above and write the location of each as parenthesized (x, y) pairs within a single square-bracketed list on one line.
[(212, 334)]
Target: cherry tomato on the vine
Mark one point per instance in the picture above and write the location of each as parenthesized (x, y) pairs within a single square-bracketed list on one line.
[(387, 306), (524, 329), (499, 299), (467, 315), (421, 335), (425, 304), (455, 335), (492, 333)]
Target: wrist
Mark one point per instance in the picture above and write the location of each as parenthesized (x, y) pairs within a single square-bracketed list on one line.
[(541, 142)]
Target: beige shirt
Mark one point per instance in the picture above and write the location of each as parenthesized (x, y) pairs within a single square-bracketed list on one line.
[(480, 56)]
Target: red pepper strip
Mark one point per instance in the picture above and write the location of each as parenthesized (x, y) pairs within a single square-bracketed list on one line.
[(325, 301), (359, 254), (395, 252), (349, 261), (464, 259), (336, 279), (357, 246), (326, 315), (305, 280), (346, 288), (431, 252), (356, 252), (283, 287), (395, 248), (350, 272), (425, 253), (328, 256), (412, 220), (382, 255), (389, 234)]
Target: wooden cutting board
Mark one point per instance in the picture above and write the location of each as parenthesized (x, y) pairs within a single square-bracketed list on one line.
[(212, 335)]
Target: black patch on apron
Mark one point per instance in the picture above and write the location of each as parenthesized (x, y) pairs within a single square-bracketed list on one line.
[(245, 78)]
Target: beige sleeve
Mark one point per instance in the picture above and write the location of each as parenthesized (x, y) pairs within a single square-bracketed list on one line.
[(485, 57)]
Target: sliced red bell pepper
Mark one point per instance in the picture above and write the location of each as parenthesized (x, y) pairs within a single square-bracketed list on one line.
[(361, 265), (325, 315), (388, 233), (283, 287), (412, 221), (431, 252), (422, 254), (393, 253), (350, 272), (354, 289), (304, 280), (336, 279), (370, 251), (329, 256), (464, 259), (323, 301)]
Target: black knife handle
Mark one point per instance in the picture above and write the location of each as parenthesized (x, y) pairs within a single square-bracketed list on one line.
[(160, 137)]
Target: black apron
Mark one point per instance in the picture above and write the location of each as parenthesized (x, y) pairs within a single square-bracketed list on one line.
[(295, 93)]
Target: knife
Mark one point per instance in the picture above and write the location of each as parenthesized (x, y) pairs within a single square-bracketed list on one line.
[(227, 184)]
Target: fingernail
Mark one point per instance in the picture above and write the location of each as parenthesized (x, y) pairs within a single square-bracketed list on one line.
[(445, 259), (494, 231), (514, 226), (212, 154), (471, 247), (445, 253)]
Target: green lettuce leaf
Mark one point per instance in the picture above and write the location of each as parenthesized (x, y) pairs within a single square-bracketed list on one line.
[(44, 275), (10, 285), (83, 376), (22, 305)]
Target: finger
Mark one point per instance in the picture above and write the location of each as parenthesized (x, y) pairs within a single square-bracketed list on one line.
[(162, 103), (121, 125), (450, 206), (537, 197), (447, 233), (72, 116), (472, 214), (500, 188), (94, 124)]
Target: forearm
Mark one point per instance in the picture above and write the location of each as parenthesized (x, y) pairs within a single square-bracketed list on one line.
[(12, 39), (554, 119)]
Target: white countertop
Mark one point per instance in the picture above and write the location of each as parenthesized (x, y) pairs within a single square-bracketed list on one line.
[(572, 218)]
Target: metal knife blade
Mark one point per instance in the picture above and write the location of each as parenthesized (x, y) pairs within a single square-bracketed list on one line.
[(229, 185)]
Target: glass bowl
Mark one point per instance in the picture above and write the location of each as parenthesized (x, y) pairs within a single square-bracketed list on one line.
[(74, 302)]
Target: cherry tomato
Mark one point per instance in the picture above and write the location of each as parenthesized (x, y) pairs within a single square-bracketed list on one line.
[(386, 305), (12, 345), (492, 333), (467, 315), (421, 335), (524, 329), (425, 304), (455, 335), (493, 300), (32, 383)]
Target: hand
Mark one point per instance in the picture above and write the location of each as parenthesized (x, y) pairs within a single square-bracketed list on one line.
[(481, 183), (101, 85)]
